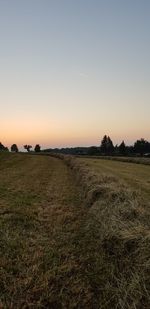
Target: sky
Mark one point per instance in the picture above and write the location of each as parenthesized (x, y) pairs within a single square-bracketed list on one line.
[(74, 70)]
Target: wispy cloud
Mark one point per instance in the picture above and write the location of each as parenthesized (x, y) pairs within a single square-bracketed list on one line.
[(82, 74)]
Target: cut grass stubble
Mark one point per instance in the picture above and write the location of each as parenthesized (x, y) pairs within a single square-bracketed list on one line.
[(117, 225), (68, 248)]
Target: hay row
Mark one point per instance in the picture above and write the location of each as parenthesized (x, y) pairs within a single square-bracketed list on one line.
[(117, 228), (95, 186)]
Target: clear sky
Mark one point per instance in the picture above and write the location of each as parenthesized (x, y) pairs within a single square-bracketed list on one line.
[(74, 70)]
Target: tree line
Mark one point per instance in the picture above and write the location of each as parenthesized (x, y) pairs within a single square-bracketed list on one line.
[(140, 147), (14, 148), (107, 148)]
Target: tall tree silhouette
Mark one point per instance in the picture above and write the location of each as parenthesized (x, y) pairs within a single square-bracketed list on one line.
[(107, 146), (37, 148), (103, 146), (110, 146), (122, 148), (14, 148)]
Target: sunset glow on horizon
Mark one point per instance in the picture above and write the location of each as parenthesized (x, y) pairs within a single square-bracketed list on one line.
[(72, 71)]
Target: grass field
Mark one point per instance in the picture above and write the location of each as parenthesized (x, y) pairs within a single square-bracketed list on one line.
[(136, 160), (137, 176), (40, 207), (60, 251)]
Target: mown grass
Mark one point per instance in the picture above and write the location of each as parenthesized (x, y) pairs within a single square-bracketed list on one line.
[(39, 212), (118, 238), (136, 160), (70, 238), (137, 176)]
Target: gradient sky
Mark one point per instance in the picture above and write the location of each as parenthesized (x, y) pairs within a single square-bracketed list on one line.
[(74, 70)]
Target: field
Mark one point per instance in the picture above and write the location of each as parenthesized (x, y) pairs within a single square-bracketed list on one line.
[(137, 160), (74, 233), (137, 177)]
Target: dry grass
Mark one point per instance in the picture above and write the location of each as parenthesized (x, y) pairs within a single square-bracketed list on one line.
[(40, 211), (137, 160), (137, 176), (118, 238), (58, 252)]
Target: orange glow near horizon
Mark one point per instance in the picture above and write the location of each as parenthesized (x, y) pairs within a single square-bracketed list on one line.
[(54, 135), (72, 72)]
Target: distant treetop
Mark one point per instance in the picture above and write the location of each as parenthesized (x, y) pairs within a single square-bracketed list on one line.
[(107, 146), (14, 148), (27, 147), (37, 148), (3, 148)]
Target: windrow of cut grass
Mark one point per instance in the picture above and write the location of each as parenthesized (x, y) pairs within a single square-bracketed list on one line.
[(116, 237), (136, 176), (60, 250)]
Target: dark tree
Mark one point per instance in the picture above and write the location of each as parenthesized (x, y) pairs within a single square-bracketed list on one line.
[(93, 150), (3, 148), (141, 146), (27, 147), (37, 148), (110, 146), (122, 148), (130, 150), (14, 148), (107, 146), (103, 146)]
